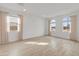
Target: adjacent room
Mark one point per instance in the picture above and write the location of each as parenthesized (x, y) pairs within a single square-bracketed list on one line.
[(39, 29)]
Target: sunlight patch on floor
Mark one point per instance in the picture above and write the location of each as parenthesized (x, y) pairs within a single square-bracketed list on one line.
[(37, 43)]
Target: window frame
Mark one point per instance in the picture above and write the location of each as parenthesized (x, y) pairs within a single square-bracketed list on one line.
[(8, 24), (67, 22), (54, 22)]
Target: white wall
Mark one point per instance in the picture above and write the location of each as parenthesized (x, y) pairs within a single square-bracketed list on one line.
[(12, 36), (46, 26), (59, 32), (33, 27)]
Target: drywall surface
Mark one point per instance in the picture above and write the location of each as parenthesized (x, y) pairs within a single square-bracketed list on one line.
[(78, 27), (12, 36), (33, 27)]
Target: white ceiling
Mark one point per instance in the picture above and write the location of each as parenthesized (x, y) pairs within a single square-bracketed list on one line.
[(42, 9)]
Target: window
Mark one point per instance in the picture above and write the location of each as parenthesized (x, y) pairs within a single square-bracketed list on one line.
[(52, 25), (13, 23), (66, 24)]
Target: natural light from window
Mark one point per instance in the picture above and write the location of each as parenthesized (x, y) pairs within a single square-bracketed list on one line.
[(66, 24), (13, 23), (53, 25)]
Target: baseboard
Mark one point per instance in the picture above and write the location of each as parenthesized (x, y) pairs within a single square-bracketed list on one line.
[(11, 42), (37, 37), (59, 37), (33, 37), (66, 39), (20, 40)]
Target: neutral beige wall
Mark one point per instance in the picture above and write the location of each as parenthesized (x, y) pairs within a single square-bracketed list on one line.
[(0, 29), (73, 35), (3, 28), (49, 33), (21, 28), (78, 27)]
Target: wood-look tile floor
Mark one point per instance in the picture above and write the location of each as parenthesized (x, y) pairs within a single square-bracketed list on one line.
[(41, 46)]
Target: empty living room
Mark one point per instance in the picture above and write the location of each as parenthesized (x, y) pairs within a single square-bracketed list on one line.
[(39, 29)]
